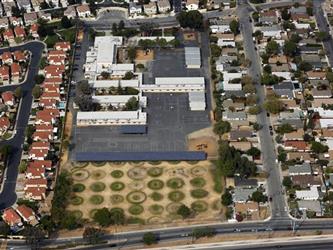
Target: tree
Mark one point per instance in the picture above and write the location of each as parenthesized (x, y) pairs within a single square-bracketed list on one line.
[(36, 91), (190, 19), (4, 229), (318, 148), (304, 66), (221, 127), (103, 217), (234, 26), (272, 47), (184, 211), (23, 166), (132, 104), (254, 110), (329, 76), (33, 236), (215, 50), (65, 22), (253, 151), (246, 80), (149, 238), (285, 14), (104, 74), (69, 221), (18, 92), (131, 52), (117, 217), (39, 79), (226, 198), (128, 75), (148, 28), (269, 79), (92, 235), (83, 87), (322, 36), (249, 89), (273, 105), (259, 197), (287, 182), (284, 128), (290, 48)]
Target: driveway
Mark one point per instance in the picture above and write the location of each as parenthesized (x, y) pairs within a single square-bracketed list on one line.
[(8, 194)]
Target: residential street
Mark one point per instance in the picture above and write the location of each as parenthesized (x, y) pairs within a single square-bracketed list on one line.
[(8, 195), (278, 204)]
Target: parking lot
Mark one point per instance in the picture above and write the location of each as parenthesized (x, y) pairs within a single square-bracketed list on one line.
[(169, 122)]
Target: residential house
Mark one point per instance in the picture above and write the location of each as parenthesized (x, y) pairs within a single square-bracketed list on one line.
[(4, 74), (4, 24), (192, 4), (37, 154), (306, 181), (19, 56), (6, 57), (217, 25), (64, 46), (30, 18), (238, 135), (242, 194), (45, 16), (310, 206), (241, 145), (8, 35), (245, 182), (7, 8), (269, 17), (27, 214), (234, 116), (300, 156), (294, 135), (301, 146), (83, 11), (34, 30), (19, 32), (42, 136), (15, 71), (273, 31), (163, 6), (16, 21), (150, 8), (35, 193), (70, 12), (8, 98), (34, 172), (36, 4), (319, 94), (4, 124), (10, 216), (24, 4), (249, 210), (41, 164), (312, 194)]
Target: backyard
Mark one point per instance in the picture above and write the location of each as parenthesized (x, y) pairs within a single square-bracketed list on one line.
[(147, 192)]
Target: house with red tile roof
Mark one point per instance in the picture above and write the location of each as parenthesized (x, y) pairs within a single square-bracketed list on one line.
[(50, 95), (48, 103), (35, 193), (4, 124), (41, 145), (19, 56), (27, 214), (34, 30), (19, 32), (64, 46), (8, 98), (6, 57), (47, 164), (8, 35), (301, 146), (37, 154), (15, 71), (83, 11), (11, 217), (42, 136), (47, 116), (54, 71), (44, 127), (4, 74), (34, 172), (55, 80), (57, 60), (49, 87)]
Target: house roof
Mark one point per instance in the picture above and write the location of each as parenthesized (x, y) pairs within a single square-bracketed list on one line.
[(7, 96), (304, 168), (310, 205), (40, 182), (35, 191), (19, 55), (8, 34), (4, 122), (316, 74), (62, 45), (304, 156), (305, 181), (25, 212), (243, 194), (83, 8), (300, 145), (298, 134), (10, 216), (245, 182), (6, 56), (40, 144), (38, 153), (15, 68), (241, 145), (42, 135), (316, 103), (4, 71), (325, 93), (38, 164), (239, 134), (246, 206), (36, 172), (19, 31)]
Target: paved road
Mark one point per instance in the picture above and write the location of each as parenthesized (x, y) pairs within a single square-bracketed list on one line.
[(278, 204), (323, 26), (8, 195)]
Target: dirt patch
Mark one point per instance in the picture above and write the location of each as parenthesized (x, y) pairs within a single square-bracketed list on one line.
[(144, 55), (207, 144), (189, 36)]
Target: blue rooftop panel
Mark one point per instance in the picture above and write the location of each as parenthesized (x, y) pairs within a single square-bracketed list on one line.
[(133, 129)]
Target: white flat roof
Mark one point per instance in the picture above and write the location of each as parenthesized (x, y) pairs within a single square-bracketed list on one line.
[(179, 80), (198, 96), (115, 83), (106, 47), (192, 56), (111, 115)]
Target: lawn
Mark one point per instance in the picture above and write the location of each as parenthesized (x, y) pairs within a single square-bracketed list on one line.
[(148, 192), (68, 34)]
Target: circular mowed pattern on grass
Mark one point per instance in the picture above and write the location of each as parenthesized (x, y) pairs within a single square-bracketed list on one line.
[(155, 184), (136, 185), (175, 183), (136, 197), (97, 187), (98, 163), (76, 200), (135, 209), (117, 174), (176, 196), (155, 196), (98, 174), (198, 182), (116, 199), (198, 170), (199, 206), (117, 186), (80, 175), (137, 173), (77, 214), (155, 171), (173, 207), (78, 187), (156, 209), (92, 212), (199, 193), (96, 199)]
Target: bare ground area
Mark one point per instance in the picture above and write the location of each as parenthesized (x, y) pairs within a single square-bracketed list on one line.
[(203, 140), (138, 181)]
